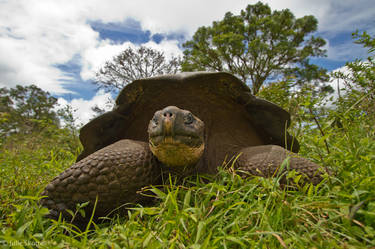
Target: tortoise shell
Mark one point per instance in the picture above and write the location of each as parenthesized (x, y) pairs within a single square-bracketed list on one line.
[(233, 117)]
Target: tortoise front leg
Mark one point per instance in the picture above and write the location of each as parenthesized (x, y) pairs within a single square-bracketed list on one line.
[(266, 161), (114, 174)]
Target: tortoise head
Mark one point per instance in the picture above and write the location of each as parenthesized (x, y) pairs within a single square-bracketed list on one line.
[(176, 137)]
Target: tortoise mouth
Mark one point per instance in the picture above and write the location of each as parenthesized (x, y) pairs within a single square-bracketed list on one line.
[(188, 140)]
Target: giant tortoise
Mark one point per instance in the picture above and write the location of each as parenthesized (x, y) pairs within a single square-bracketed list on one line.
[(180, 124)]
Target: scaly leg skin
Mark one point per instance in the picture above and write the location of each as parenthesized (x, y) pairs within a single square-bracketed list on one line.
[(266, 160), (114, 174)]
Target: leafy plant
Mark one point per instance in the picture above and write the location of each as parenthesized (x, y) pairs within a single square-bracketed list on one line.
[(258, 45)]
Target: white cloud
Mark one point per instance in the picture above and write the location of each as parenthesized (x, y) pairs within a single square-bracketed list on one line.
[(82, 111), (35, 37), (165, 16), (174, 16), (169, 47), (348, 15)]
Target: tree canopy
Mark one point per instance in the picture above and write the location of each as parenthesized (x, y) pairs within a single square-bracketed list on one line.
[(257, 45), (25, 109), (132, 64)]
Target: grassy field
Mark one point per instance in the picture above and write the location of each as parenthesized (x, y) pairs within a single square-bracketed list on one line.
[(224, 212)]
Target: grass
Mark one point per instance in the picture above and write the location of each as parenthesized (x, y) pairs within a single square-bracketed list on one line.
[(222, 211)]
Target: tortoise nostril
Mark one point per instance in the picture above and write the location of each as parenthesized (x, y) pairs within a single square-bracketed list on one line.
[(168, 114)]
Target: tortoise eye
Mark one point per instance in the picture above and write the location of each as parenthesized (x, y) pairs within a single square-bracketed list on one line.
[(189, 119), (155, 120)]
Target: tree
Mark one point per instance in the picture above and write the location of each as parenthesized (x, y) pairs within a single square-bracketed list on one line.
[(30, 118), (26, 109), (133, 64), (257, 45)]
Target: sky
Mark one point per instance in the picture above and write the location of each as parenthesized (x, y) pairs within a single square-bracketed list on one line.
[(59, 45)]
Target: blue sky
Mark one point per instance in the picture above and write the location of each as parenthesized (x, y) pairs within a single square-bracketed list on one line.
[(59, 45)]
